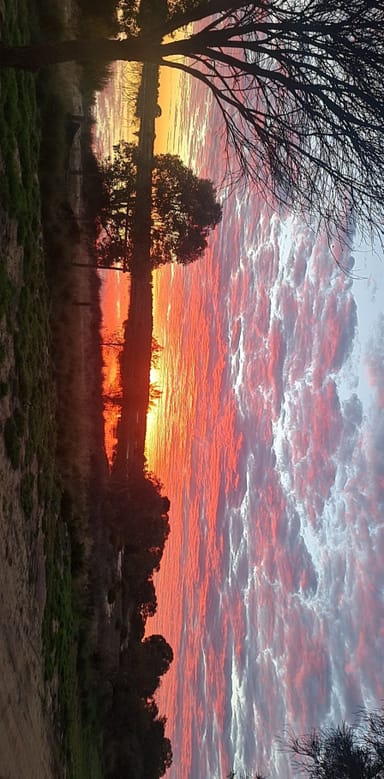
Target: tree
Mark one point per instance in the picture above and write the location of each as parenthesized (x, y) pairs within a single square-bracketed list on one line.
[(157, 750), (155, 393), (115, 218), (158, 653), (342, 752), (241, 775), (146, 600), (299, 87), (146, 662), (184, 209), (156, 350)]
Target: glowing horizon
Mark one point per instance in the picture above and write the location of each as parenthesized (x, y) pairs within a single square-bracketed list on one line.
[(262, 433), (115, 123), (268, 438)]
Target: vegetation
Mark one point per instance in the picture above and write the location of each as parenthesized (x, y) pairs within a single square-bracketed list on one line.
[(243, 775), (299, 90), (29, 148), (184, 210), (335, 752), (137, 515), (104, 534), (341, 752), (55, 446)]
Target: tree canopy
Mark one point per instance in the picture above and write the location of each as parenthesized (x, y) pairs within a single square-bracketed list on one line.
[(299, 88), (341, 752), (184, 209)]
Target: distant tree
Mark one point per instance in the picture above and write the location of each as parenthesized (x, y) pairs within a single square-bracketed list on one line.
[(158, 653), (116, 216), (157, 751), (146, 599), (146, 662), (114, 339), (155, 393), (156, 350), (341, 752), (244, 775), (139, 529), (134, 734), (184, 209)]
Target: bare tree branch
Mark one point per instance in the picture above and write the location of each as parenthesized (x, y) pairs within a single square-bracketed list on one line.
[(299, 88)]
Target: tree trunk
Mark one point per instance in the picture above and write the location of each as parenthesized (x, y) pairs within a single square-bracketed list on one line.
[(38, 55)]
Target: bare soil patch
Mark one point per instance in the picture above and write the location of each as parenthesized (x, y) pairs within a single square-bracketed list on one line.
[(26, 732)]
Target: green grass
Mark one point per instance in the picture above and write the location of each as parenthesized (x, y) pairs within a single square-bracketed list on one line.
[(67, 650), (33, 153)]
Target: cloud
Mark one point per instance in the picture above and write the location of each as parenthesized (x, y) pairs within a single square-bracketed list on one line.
[(375, 362)]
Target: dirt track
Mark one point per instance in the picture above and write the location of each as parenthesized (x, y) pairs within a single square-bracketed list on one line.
[(28, 748), (26, 738)]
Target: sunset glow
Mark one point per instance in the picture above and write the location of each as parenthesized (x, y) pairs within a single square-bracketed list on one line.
[(268, 438), (152, 415), (115, 292), (259, 443), (116, 122)]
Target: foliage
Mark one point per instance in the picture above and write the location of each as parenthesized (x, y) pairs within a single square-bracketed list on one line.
[(117, 213), (98, 17), (156, 350), (134, 741), (299, 88), (159, 653), (241, 775), (155, 393), (341, 752), (138, 514), (136, 744), (184, 209), (128, 12), (136, 15)]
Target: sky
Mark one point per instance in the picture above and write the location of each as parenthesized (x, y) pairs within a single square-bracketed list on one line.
[(268, 438)]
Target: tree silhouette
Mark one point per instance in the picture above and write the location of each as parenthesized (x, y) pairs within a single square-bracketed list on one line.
[(184, 209), (242, 775), (157, 750), (341, 752), (300, 89), (158, 652), (156, 351)]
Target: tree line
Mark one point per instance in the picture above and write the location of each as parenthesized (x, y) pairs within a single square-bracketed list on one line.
[(133, 731), (136, 515)]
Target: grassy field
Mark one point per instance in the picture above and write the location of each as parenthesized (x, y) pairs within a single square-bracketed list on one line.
[(35, 274)]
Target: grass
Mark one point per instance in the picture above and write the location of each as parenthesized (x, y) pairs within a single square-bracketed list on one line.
[(33, 153), (60, 637)]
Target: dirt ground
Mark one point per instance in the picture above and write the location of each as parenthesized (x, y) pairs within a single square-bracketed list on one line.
[(28, 749), (26, 735)]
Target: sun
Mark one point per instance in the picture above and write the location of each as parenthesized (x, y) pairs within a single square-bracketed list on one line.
[(155, 379)]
